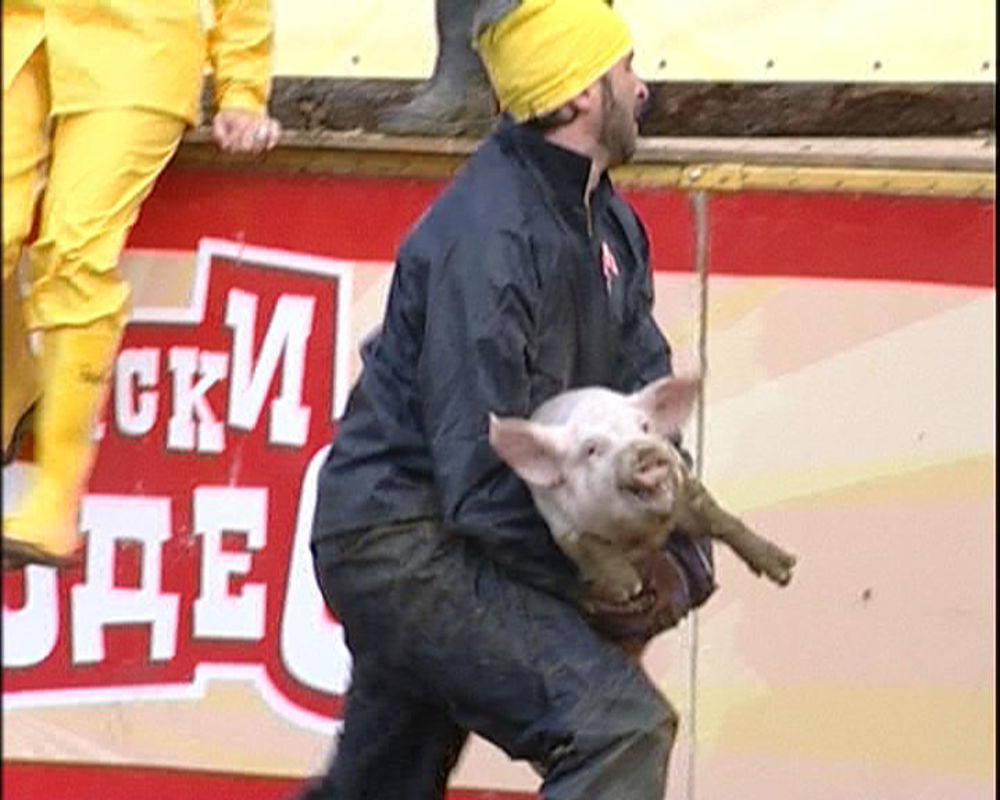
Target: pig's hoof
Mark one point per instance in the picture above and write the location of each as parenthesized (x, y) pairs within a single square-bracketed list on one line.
[(780, 569), (618, 594), (629, 593)]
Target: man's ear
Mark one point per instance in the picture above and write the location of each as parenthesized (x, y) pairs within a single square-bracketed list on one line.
[(587, 100)]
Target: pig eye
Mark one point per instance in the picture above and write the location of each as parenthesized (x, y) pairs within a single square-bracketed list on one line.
[(591, 448)]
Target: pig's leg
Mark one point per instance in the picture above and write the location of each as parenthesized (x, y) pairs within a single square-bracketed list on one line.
[(608, 575), (704, 516)]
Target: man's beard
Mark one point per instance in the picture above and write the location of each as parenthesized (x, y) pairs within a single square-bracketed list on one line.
[(617, 134)]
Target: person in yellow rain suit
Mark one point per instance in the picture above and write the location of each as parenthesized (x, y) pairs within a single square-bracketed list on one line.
[(96, 97)]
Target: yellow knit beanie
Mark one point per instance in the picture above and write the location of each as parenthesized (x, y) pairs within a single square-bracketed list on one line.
[(545, 52)]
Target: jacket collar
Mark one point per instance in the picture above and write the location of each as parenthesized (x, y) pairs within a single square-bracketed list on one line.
[(564, 172)]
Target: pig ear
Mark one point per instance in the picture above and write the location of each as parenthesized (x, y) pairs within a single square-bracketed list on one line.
[(532, 450), (669, 401)]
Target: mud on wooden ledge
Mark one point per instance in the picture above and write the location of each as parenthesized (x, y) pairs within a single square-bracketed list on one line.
[(957, 164), (701, 109)]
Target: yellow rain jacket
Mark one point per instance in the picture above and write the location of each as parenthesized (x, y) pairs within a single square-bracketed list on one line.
[(143, 53)]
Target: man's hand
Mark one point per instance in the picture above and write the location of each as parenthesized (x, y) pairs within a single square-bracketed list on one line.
[(663, 602), (238, 131)]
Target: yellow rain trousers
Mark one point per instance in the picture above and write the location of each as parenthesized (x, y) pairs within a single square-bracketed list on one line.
[(96, 99)]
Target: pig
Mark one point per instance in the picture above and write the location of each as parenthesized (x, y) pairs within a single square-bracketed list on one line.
[(605, 474)]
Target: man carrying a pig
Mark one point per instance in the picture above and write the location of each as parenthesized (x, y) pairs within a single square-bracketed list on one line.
[(529, 276)]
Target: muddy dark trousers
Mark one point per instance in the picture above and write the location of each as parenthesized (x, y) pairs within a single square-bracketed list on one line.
[(446, 642)]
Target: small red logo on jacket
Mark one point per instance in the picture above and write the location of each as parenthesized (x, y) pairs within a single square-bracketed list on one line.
[(609, 267)]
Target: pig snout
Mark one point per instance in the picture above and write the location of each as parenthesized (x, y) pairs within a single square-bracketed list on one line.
[(645, 469)]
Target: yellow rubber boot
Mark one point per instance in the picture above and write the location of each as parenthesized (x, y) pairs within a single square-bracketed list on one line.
[(76, 367), (20, 369)]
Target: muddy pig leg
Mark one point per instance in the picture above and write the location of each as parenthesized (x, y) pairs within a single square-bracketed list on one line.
[(704, 516)]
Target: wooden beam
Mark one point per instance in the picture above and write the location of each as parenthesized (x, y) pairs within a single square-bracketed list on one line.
[(696, 109)]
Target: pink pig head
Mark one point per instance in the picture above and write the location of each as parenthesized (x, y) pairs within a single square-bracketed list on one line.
[(599, 462)]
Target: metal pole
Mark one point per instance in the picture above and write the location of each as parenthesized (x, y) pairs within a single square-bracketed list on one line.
[(700, 207)]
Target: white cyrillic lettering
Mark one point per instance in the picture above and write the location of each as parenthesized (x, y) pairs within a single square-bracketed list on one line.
[(190, 400), (217, 614), (286, 338), (312, 645), (30, 632), (97, 603), (135, 411)]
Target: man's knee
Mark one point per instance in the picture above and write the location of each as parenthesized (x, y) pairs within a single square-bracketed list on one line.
[(655, 729), (622, 752), (640, 720), (75, 282)]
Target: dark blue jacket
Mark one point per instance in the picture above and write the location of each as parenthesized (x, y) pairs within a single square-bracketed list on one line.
[(498, 302)]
